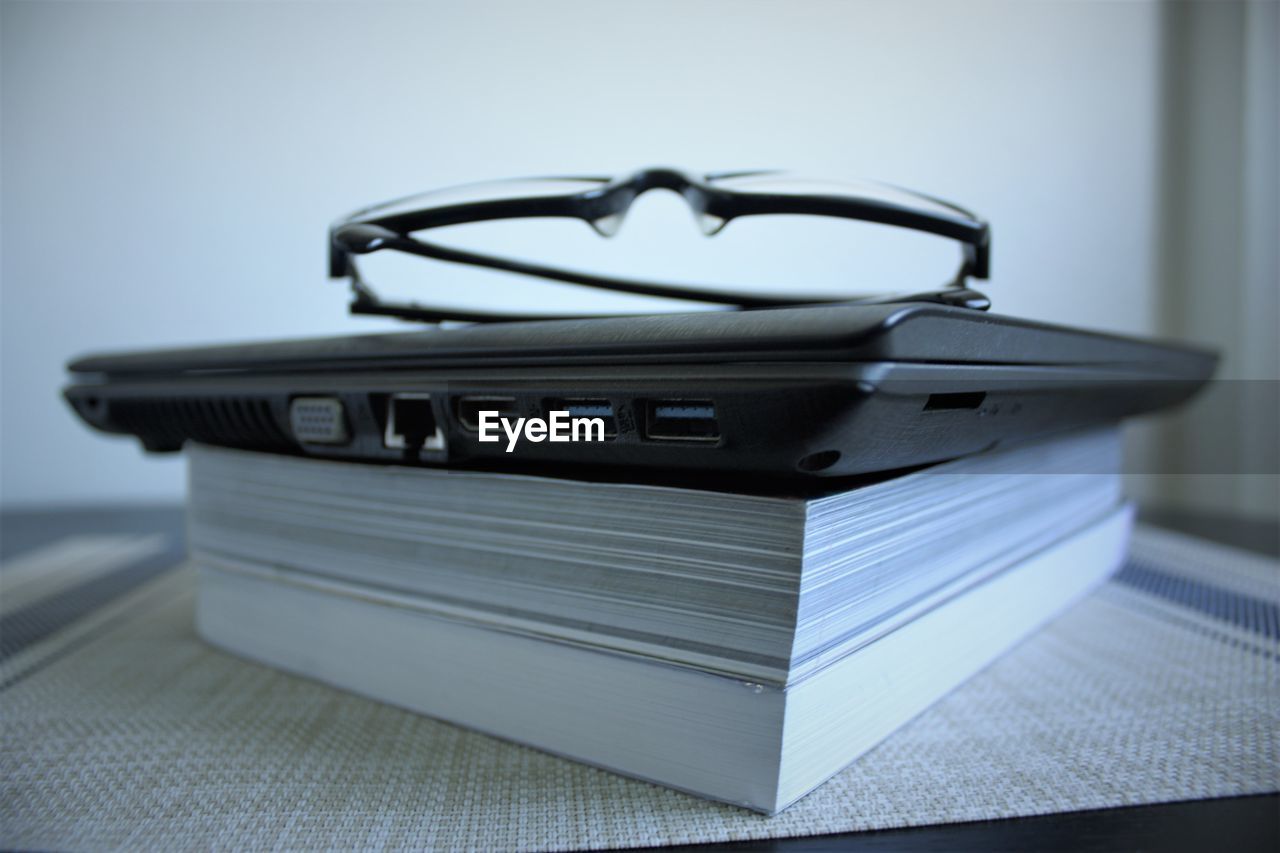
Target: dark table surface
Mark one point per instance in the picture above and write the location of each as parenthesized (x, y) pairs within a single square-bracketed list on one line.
[(1225, 824)]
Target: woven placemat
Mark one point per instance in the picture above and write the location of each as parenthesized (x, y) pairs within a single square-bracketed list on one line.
[(122, 729)]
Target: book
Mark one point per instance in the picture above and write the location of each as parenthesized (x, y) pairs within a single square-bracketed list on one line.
[(743, 647)]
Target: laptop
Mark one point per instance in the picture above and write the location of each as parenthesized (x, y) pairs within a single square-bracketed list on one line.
[(815, 391), (819, 390)]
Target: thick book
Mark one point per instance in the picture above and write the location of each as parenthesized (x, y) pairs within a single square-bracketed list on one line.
[(741, 647)]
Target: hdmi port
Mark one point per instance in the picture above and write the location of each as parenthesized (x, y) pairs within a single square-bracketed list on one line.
[(468, 409), (587, 407), (681, 420)]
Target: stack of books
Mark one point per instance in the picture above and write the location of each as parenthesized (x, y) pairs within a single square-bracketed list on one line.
[(743, 647)]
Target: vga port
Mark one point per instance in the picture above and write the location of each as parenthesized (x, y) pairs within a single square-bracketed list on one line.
[(318, 420)]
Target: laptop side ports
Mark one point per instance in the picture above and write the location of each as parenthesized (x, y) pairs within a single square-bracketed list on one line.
[(411, 423), (681, 420)]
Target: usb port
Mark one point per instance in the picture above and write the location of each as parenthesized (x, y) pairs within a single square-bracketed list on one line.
[(468, 409), (411, 423), (681, 420), (584, 407)]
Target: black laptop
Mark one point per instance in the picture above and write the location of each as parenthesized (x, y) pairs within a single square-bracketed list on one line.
[(816, 390)]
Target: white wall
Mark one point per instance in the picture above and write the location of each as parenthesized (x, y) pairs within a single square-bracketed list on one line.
[(169, 170)]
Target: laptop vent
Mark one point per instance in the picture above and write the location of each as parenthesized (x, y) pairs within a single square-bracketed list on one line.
[(227, 421)]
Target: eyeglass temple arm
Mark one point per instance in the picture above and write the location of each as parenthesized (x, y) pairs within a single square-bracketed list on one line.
[(358, 239), (957, 297)]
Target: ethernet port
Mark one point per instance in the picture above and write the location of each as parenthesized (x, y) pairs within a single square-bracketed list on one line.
[(411, 424)]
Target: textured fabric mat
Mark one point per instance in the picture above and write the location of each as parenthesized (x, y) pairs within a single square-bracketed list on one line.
[(121, 729)]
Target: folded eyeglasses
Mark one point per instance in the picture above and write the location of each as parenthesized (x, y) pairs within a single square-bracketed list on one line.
[(716, 200)]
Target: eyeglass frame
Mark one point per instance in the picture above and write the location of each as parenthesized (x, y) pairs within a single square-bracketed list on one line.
[(374, 229)]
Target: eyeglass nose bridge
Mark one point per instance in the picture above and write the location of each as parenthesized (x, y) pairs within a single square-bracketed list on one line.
[(614, 200), (660, 177)]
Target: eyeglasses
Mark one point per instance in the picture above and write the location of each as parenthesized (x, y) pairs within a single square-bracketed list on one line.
[(602, 203)]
